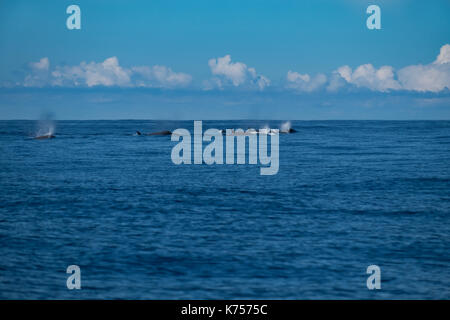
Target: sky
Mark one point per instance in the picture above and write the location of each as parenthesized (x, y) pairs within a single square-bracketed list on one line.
[(250, 59)]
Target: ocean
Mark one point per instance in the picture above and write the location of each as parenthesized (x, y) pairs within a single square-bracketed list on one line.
[(348, 194)]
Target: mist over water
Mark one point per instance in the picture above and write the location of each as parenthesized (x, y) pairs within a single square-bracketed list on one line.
[(285, 126), (45, 127), (348, 194)]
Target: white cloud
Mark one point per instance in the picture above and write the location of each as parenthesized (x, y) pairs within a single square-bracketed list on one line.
[(433, 77), (236, 73), (42, 64), (304, 82), (39, 73), (160, 76), (444, 55), (107, 73), (382, 79), (258, 79), (262, 82), (339, 78)]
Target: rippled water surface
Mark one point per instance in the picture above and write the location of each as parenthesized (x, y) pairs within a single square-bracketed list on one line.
[(348, 194)]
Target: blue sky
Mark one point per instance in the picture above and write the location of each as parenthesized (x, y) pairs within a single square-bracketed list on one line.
[(225, 60)]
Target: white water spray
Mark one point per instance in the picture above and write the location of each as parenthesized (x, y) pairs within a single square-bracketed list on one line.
[(286, 126), (45, 128)]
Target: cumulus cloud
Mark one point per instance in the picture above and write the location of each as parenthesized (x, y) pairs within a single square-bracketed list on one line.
[(258, 79), (160, 75), (433, 77), (338, 79), (107, 73), (444, 55), (41, 65), (304, 82), (234, 73), (423, 78), (366, 75), (39, 73)]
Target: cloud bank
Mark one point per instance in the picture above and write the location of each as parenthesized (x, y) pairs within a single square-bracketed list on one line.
[(107, 73), (432, 77)]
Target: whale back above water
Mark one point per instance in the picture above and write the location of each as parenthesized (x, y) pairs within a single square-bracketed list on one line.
[(45, 136), (160, 133), (224, 132)]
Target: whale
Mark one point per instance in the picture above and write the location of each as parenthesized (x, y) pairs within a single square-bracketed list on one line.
[(252, 131), (290, 130), (159, 133), (45, 136)]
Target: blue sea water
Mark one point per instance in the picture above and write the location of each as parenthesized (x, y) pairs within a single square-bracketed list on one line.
[(348, 194)]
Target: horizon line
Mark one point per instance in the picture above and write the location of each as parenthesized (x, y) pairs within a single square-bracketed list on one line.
[(240, 119)]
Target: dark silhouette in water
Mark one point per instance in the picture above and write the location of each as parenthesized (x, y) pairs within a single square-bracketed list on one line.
[(290, 130), (261, 131), (223, 132), (45, 136), (160, 133)]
